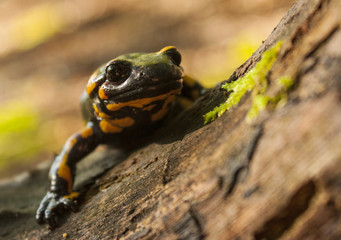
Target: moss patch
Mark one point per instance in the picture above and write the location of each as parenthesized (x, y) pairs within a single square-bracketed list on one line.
[(254, 80), (261, 101)]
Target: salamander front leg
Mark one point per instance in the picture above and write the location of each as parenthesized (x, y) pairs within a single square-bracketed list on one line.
[(62, 174)]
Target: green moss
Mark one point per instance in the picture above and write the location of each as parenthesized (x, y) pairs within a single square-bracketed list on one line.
[(254, 80), (259, 103), (285, 81)]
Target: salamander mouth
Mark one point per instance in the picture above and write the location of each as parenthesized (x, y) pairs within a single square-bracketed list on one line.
[(146, 91)]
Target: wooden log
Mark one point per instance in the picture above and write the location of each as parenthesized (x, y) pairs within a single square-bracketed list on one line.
[(275, 177)]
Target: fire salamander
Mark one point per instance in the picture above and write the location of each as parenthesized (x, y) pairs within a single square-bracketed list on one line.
[(124, 99)]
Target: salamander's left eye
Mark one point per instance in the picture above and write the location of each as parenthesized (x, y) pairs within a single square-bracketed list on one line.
[(118, 71)]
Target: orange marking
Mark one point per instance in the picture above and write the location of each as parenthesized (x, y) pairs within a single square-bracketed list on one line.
[(139, 103), (122, 122), (90, 87), (115, 125), (72, 195), (149, 108), (108, 128), (165, 49), (96, 109), (87, 132), (92, 83), (98, 113), (101, 94), (163, 111), (64, 170)]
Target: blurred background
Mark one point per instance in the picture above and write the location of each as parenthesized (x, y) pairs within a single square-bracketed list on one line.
[(49, 48)]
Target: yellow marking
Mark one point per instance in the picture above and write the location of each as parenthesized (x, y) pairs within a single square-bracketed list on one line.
[(149, 108), (101, 94), (165, 49), (100, 114), (96, 108), (90, 87), (189, 81), (122, 122), (163, 111), (108, 128), (92, 83), (72, 195), (139, 103), (64, 170), (87, 132), (115, 125)]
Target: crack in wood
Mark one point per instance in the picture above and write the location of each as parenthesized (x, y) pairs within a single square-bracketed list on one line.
[(123, 233), (155, 159), (242, 171), (235, 180), (195, 216), (251, 191), (285, 217), (189, 227), (165, 177), (322, 41), (304, 27), (256, 136)]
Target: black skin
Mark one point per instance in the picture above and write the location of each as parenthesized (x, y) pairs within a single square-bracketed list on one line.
[(130, 93)]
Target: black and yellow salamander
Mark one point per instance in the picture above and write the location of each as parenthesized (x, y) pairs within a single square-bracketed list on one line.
[(124, 99)]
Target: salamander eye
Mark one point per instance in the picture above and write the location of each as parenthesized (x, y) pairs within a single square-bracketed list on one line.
[(118, 71), (174, 55)]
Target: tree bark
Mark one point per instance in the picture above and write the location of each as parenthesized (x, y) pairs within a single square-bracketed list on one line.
[(278, 177)]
